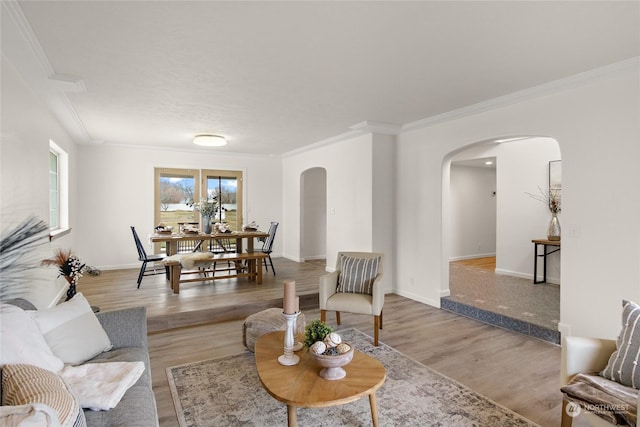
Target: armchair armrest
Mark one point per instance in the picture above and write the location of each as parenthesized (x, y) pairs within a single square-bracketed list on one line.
[(126, 327), (328, 285), (580, 354), (377, 300)]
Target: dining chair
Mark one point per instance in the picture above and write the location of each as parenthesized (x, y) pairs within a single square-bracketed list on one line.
[(146, 258), (355, 287), (267, 245)]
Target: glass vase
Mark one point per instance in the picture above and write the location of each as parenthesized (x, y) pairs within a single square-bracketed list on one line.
[(206, 223), (553, 233)]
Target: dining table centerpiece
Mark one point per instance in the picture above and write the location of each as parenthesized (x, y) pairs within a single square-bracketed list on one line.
[(207, 208)]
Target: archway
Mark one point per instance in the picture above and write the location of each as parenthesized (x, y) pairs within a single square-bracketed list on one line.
[(500, 296), (313, 214)]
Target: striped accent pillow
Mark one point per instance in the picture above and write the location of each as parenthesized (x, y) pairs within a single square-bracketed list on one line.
[(623, 363), (28, 384), (357, 274)]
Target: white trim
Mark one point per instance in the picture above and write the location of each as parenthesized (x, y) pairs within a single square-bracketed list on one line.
[(476, 256), (526, 94)]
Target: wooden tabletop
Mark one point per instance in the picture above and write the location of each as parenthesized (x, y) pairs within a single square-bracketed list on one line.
[(301, 386), (546, 242), (160, 237)]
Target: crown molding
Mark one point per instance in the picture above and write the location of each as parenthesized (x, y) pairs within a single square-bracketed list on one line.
[(23, 50), (370, 126), (526, 94)]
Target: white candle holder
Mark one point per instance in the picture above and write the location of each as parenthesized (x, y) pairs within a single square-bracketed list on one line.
[(297, 345), (288, 358)]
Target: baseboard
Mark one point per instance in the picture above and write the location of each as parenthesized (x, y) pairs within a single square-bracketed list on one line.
[(416, 297), (552, 280), (475, 256)]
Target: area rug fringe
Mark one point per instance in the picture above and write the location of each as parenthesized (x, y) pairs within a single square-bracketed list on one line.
[(226, 391)]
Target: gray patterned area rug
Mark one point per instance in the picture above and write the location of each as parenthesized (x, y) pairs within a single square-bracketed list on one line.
[(227, 392)]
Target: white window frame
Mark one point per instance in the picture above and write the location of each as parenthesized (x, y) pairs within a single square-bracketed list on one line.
[(63, 191)]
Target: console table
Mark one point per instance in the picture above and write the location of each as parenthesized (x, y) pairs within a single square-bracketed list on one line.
[(544, 243)]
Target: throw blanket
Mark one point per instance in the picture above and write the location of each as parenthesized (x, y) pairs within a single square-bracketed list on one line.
[(31, 415), (100, 386), (188, 261), (608, 399)]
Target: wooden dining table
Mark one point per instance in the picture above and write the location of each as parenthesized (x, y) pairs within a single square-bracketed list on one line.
[(171, 240)]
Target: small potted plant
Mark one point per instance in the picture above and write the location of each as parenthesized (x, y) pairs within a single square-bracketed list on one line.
[(327, 349)]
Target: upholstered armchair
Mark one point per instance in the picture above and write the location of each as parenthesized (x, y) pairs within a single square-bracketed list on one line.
[(583, 355), (354, 287)]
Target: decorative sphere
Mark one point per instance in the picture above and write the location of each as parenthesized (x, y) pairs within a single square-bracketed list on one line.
[(343, 348), (318, 347), (333, 339)]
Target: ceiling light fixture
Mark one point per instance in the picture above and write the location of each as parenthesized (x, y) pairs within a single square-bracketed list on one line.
[(210, 140)]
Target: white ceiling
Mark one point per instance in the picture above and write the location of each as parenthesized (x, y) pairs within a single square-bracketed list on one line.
[(273, 77)]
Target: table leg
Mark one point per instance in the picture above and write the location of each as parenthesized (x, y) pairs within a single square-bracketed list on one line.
[(374, 409), (292, 416), (171, 248)]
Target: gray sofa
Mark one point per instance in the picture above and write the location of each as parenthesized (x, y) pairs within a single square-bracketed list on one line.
[(127, 330)]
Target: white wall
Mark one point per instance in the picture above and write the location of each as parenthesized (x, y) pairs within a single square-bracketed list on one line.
[(473, 212), (523, 167), (27, 127), (117, 191), (596, 125), (357, 219)]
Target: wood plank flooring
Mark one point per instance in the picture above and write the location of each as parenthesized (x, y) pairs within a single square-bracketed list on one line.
[(516, 371), (486, 263)]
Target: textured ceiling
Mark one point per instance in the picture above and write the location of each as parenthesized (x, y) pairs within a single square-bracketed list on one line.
[(276, 76)]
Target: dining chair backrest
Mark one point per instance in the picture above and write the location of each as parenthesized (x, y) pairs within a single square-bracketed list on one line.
[(267, 247), (142, 254)]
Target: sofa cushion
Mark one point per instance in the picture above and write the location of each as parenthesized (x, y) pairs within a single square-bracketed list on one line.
[(22, 342), (72, 330), (623, 363), (357, 274), (28, 384), (136, 409)]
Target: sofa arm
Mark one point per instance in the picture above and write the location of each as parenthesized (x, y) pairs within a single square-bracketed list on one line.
[(328, 284), (580, 354), (126, 327)]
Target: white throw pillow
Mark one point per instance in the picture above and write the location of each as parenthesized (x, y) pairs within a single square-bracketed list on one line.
[(22, 342), (72, 330)]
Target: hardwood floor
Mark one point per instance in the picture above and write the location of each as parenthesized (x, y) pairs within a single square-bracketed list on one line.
[(516, 371)]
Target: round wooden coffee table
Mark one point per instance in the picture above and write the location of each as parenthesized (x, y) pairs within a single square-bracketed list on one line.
[(301, 386)]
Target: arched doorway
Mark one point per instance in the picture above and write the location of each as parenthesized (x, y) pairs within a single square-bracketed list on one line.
[(504, 294), (313, 214)]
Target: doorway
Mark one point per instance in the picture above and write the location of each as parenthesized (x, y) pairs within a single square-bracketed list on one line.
[(313, 214), (506, 296)]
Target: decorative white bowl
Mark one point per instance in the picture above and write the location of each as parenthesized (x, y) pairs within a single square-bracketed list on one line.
[(332, 365)]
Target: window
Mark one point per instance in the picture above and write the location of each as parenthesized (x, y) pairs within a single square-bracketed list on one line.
[(176, 188), (226, 186), (58, 191)]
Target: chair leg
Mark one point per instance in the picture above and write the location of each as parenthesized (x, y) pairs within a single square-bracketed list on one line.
[(380, 319), (338, 317), (376, 327), (270, 262), (141, 274), (323, 315)]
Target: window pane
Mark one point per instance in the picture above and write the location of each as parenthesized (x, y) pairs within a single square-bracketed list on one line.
[(175, 193), (226, 187), (54, 196)]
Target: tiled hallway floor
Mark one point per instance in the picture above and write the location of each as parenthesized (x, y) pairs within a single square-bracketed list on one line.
[(509, 302)]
